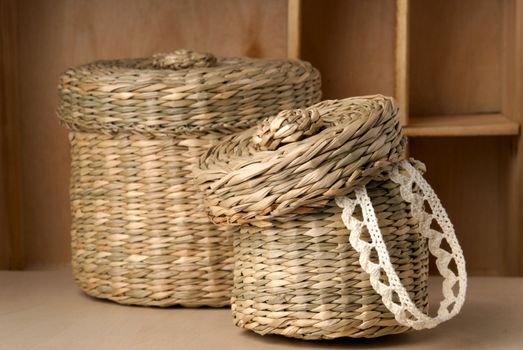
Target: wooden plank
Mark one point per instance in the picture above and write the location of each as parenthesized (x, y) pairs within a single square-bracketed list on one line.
[(57, 34), (461, 125), (293, 29), (512, 106), (352, 43), (455, 57), (471, 175), (402, 64), (517, 204), (11, 250)]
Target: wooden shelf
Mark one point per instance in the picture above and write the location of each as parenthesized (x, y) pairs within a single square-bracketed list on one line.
[(355, 50), (461, 125), (451, 64), (45, 310), (455, 56)]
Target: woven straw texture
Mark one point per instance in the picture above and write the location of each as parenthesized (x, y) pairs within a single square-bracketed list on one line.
[(298, 160), (296, 273), (139, 231)]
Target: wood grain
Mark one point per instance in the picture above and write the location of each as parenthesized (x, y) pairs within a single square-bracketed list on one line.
[(352, 43), (471, 177), (462, 125), (56, 34), (512, 106), (455, 57), (294, 29), (11, 245), (401, 87), (516, 204)]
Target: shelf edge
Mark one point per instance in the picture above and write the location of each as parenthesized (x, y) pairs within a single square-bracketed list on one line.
[(499, 125)]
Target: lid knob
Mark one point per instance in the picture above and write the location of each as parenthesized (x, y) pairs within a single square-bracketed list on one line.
[(287, 126), (183, 59)]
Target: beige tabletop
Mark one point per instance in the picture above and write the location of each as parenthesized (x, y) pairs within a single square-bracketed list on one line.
[(45, 310)]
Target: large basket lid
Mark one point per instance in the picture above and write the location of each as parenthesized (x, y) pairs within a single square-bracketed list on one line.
[(182, 92), (298, 160)]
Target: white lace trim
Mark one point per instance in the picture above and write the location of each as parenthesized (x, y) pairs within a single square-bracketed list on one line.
[(406, 312)]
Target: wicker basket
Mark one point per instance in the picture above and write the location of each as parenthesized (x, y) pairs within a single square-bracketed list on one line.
[(138, 127), (297, 271)]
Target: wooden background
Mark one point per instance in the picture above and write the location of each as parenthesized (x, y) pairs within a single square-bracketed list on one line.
[(449, 63), (53, 35), (451, 66)]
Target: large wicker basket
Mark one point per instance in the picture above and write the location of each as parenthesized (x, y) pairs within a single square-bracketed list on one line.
[(298, 272), (138, 127)]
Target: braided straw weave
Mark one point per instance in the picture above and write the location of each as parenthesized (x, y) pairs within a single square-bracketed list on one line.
[(296, 273), (138, 127)]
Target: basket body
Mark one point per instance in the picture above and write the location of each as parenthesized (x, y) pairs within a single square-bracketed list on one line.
[(301, 278), (139, 232)]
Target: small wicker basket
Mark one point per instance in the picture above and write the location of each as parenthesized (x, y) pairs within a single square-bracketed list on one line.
[(138, 127), (299, 269)]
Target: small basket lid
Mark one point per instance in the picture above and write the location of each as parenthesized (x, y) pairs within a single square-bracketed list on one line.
[(182, 92), (298, 160)]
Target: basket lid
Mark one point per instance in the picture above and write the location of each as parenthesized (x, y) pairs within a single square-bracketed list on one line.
[(300, 159), (182, 92)]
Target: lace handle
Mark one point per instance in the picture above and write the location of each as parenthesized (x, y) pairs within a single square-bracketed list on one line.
[(406, 312)]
